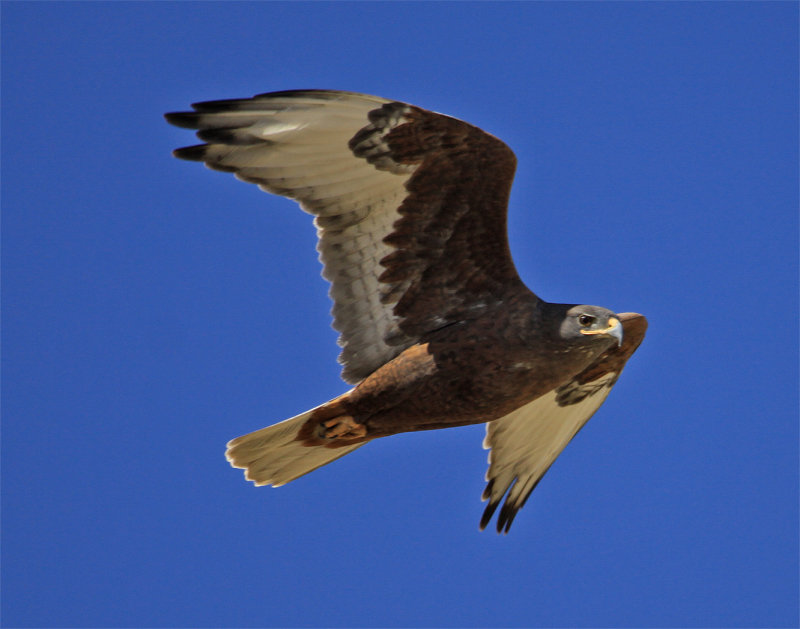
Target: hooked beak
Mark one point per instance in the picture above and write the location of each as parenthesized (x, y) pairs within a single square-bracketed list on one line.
[(614, 330)]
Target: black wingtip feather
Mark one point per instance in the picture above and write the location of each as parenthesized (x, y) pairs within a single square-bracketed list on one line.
[(487, 492), (196, 153), (216, 106), (256, 102), (506, 517), (183, 119), (230, 136), (508, 512), (487, 514)]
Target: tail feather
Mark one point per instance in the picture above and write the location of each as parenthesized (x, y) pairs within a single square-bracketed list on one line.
[(278, 454)]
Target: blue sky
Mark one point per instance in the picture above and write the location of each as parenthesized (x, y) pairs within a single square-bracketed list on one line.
[(153, 309)]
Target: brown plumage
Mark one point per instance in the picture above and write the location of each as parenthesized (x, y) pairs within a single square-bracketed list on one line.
[(436, 327)]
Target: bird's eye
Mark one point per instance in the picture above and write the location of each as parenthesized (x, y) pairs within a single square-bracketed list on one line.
[(586, 319)]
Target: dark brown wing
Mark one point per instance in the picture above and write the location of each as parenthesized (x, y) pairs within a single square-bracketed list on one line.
[(410, 206), (525, 443), (452, 252)]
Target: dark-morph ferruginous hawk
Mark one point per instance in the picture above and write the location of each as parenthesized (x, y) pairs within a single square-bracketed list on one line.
[(437, 329)]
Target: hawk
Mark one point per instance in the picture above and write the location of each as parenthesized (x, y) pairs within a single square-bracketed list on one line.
[(436, 327)]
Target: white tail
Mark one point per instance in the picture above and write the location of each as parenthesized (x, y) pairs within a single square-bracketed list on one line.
[(274, 455)]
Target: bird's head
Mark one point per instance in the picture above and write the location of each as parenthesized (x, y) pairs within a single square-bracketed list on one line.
[(589, 326)]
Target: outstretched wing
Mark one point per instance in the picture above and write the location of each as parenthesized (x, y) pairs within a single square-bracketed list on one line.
[(410, 206), (525, 443)]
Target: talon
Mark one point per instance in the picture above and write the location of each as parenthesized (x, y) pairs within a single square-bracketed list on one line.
[(343, 426)]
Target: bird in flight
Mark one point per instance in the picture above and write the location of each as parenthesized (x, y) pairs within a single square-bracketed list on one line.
[(436, 327)]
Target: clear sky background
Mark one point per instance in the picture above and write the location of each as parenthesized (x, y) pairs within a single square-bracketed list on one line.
[(153, 310)]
